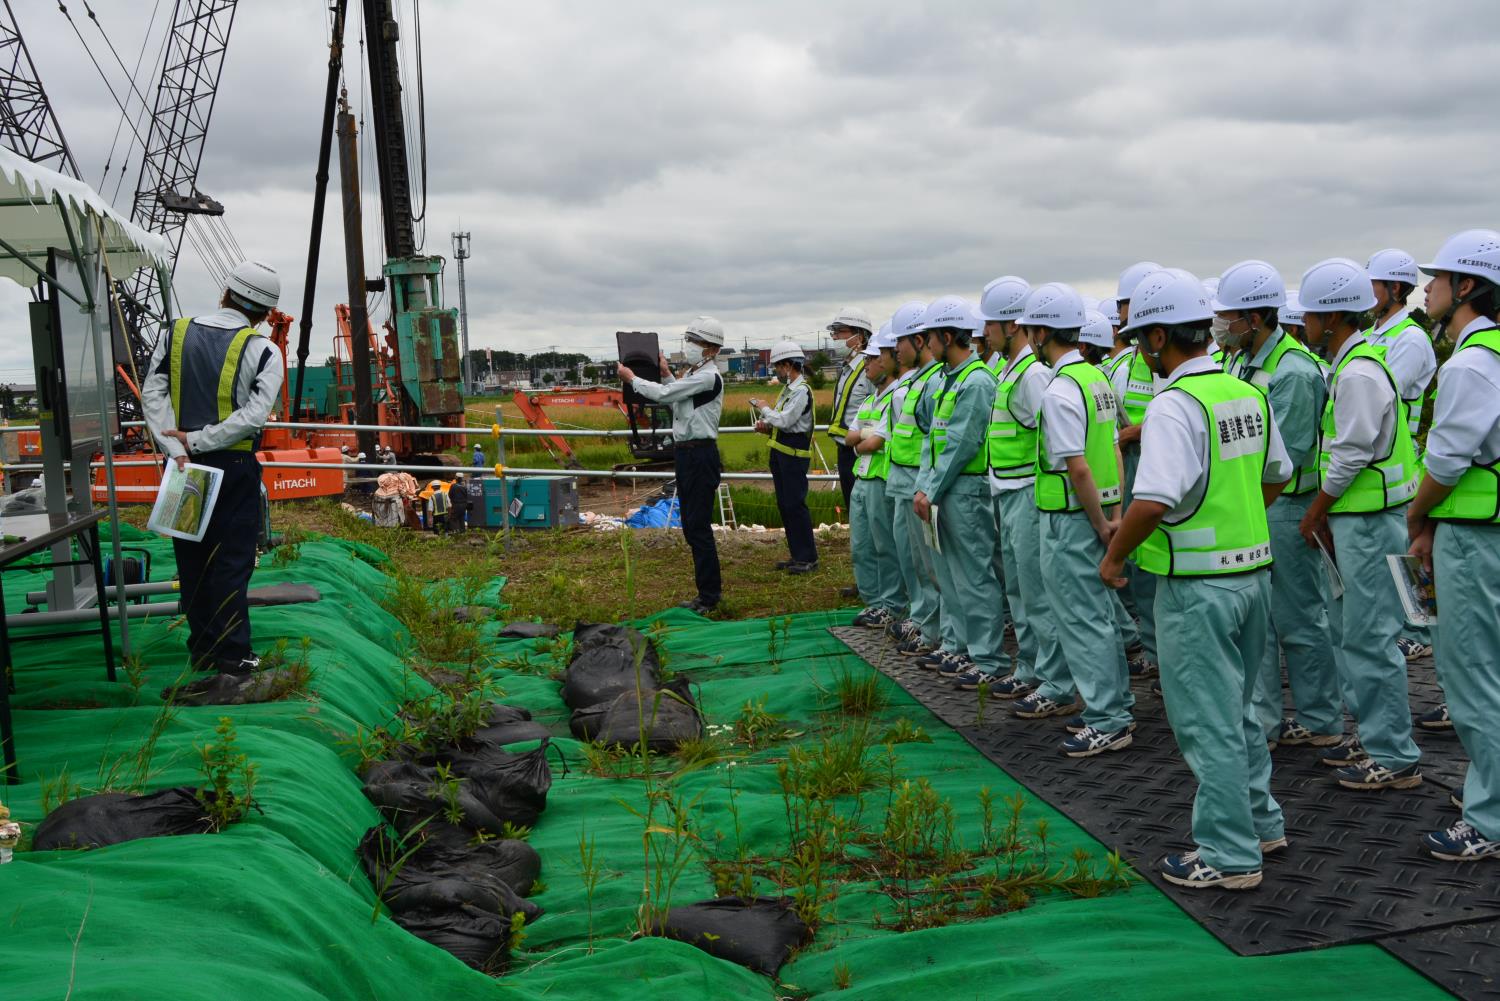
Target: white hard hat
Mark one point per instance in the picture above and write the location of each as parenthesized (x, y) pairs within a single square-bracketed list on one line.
[(1473, 252), (1210, 287), (1393, 265), (706, 329), (883, 339), (1096, 330), (1168, 297), (907, 319), (1053, 305), (786, 351), (344, 449), (1131, 277), (360, 457), (1337, 285), (1250, 285), (948, 311), (852, 316), (1290, 314), (1111, 309), (256, 283), (1004, 298)]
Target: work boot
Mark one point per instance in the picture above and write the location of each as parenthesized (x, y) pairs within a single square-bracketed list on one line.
[(699, 606), (802, 568)]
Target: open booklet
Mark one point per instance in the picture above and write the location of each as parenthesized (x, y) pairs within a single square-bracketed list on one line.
[(1331, 572), (185, 501), (1415, 587), (930, 530)]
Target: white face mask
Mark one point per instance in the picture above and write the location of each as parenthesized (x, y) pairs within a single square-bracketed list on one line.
[(1220, 330)]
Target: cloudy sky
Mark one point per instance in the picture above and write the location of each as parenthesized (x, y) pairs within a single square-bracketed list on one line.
[(630, 165)]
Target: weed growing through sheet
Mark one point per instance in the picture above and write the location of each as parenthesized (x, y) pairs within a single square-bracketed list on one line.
[(857, 691), (228, 790), (755, 727)]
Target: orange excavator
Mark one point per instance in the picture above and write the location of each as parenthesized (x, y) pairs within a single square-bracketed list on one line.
[(650, 424)]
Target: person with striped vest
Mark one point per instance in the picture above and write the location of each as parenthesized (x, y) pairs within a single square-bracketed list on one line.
[(919, 635), (1250, 294), (1454, 527), (1367, 471), (872, 541), (1211, 463), (208, 392), (1077, 494), (953, 496), (850, 326), (789, 424), (1407, 349)]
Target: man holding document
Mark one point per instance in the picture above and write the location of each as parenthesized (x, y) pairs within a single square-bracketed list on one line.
[(208, 392)]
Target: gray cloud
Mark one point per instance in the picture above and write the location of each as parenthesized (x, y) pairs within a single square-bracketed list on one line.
[(632, 165)]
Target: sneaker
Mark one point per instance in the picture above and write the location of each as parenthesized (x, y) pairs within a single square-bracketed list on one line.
[(1294, 734), (1140, 667), (1038, 706), (955, 665), (802, 568), (1075, 724), (1438, 719), (1091, 741), (915, 647), (1460, 843), (1349, 752), (932, 660), (1010, 631), (873, 618), (1413, 649), (902, 629), (1189, 870), (971, 679), (1273, 846), (1010, 687), (1372, 775), (1156, 686)]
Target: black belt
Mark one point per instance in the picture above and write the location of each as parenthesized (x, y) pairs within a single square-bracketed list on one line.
[(698, 443)]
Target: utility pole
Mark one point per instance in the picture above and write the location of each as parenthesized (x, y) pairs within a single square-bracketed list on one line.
[(461, 254)]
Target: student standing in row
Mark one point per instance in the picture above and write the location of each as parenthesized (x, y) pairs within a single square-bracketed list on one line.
[(872, 541)]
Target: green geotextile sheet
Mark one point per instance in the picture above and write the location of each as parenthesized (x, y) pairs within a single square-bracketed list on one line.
[(277, 907)]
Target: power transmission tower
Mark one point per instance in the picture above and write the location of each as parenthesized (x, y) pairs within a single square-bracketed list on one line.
[(461, 254), (27, 123)]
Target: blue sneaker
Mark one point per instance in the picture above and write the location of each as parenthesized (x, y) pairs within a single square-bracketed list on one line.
[(1438, 719), (1347, 754), (1372, 775), (902, 629), (874, 618), (932, 660), (1192, 872), (1075, 724), (915, 647), (971, 679), (1010, 687), (1140, 667), (1038, 706), (954, 665), (1460, 843), (1091, 741)]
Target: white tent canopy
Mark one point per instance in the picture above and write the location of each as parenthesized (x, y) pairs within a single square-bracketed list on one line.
[(40, 208)]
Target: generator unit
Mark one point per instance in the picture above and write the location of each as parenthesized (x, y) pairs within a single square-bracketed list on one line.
[(534, 502)]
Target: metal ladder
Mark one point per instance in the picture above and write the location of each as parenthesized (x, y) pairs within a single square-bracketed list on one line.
[(726, 507)]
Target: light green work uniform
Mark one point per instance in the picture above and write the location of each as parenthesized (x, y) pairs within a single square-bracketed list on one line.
[(1071, 552), (905, 452), (1367, 524), (955, 479), (1290, 377), (872, 541)]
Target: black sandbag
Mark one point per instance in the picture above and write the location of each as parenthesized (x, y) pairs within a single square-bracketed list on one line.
[(232, 689), (515, 732), (440, 852), (476, 936), (528, 630), (603, 665), (495, 787), (112, 817), (661, 720), (760, 933)]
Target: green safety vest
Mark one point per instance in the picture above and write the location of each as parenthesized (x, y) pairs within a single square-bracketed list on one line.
[(906, 437), (1305, 479), (1227, 533), (776, 443), (836, 426), (227, 373), (1012, 444), (1388, 481), (876, 465), (946, 398), (1054, 490), (1476, 496), (1140, 388), (1382, 345)]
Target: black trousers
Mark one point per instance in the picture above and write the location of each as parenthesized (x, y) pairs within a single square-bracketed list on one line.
[(846, 474), (789, 475), (698, 470), (215, 573)]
